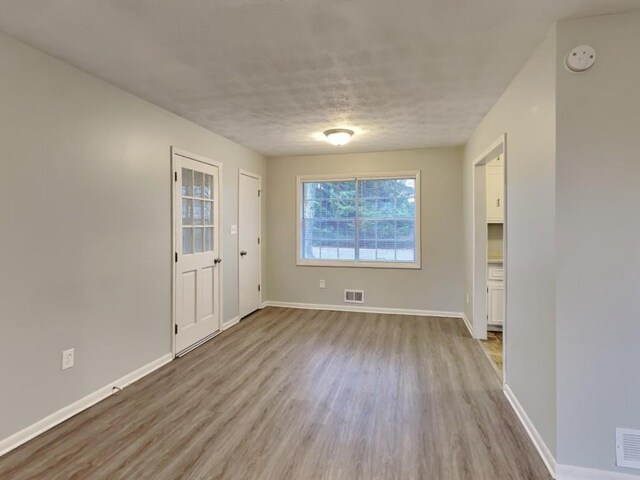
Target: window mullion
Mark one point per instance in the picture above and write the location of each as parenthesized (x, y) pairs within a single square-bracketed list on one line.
[(395, 222), (356, 227)]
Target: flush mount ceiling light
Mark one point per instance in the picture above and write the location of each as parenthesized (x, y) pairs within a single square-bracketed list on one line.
[(339, 136)]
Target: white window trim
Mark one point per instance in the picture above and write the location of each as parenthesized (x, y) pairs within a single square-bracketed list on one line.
[(417, 264)]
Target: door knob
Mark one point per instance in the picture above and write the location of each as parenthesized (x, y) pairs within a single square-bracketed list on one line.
[(243, 253), (217, 261)]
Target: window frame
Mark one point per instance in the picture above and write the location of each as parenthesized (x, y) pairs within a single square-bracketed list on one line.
[(303, 262)]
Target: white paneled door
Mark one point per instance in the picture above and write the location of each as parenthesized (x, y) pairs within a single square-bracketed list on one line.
[(197, 255), (249, 243)]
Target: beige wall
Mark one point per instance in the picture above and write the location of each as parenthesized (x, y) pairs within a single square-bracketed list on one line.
[(495, 240), (85, 214), (437, 286), (598, 237), (85, 205), (526, 112)]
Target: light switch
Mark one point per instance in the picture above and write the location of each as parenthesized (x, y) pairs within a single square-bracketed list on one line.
[(234, 229)]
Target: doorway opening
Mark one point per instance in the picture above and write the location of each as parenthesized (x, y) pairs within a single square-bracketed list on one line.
[(489, 253)]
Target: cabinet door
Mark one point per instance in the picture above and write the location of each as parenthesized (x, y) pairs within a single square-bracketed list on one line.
[(495, 194), (495, 303)]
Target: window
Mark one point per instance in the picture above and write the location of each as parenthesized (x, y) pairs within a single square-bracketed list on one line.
[(197, 212), (364, 220)]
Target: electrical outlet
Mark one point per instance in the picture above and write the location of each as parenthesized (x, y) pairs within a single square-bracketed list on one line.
[(322, 284), (67, 358)]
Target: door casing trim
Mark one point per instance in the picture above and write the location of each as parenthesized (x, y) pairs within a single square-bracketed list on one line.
[(479, 253)]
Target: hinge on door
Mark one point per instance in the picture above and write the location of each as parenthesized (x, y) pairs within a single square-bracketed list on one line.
[(258, 287), (176, 257), (176, 329), (175, 176), (258, 240), (259, 192)]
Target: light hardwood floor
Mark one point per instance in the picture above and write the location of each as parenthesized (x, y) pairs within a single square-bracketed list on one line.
[(303, 395), (492, 347)]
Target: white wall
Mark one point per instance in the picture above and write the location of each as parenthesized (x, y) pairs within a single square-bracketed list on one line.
[(85, 211), (598, 238), (526, 112), (437, 286)]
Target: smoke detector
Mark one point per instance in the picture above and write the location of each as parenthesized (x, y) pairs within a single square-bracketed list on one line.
[(580, 59)]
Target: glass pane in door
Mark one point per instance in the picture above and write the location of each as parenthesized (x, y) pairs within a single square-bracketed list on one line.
[(187, 241), (208, 239), (197, 184), (208, 213), (187, 182), (208, 186), (197, 239), (187, 211), (197, 212)]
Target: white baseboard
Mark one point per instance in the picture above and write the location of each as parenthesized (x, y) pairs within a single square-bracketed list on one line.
[(467, 323), (568, 472), (230, 323), (363, 309), (536, 438), (17, 439)]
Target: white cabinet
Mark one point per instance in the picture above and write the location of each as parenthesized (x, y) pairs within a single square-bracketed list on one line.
[(495, 303), (495, 272), (495, 294), (495, 190)]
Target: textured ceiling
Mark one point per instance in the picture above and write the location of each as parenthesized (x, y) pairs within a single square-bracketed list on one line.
[(273, 74)]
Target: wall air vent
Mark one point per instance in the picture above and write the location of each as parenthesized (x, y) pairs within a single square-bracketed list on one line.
[(628, 448), (354, 296)]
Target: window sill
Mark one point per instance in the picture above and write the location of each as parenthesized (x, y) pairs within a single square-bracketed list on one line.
[(352, 264)]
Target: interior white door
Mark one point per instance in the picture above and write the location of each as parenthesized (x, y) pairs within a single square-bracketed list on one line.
[(249, 244), (197, 254)]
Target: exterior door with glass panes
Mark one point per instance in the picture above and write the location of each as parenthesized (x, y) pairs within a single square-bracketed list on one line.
[(197, 259)]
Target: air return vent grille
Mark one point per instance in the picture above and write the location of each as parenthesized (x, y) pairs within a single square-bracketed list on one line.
[(628, 448), (354, 296)]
